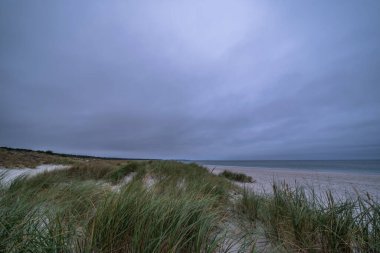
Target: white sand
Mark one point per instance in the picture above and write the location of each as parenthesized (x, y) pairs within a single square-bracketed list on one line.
[(341, 184), (9, 174)]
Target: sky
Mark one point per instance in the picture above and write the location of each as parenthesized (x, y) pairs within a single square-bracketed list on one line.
[(207, 79)]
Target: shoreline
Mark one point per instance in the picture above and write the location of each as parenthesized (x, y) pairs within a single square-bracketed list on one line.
[(286, 171), (341, 184), (270, 169)]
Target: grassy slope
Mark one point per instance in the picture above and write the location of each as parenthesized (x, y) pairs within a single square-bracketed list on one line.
[(21, 158), (300, 221), (15, 158), (170, 207), (78, 210)]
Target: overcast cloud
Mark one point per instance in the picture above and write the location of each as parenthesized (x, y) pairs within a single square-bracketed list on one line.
[(208, 79)]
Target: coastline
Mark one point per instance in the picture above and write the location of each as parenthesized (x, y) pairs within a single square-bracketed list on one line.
[(341, 184), (182, 203)]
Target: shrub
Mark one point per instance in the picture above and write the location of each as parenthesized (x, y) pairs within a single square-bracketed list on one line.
[(240, 177)]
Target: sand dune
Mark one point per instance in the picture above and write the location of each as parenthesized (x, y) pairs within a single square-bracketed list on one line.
[(9, 174)]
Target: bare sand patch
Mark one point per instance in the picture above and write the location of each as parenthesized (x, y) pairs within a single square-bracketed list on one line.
[(10, 174)]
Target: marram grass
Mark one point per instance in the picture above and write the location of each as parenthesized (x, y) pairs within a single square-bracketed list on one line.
[(301, 221), (70, 211), (175, 207)]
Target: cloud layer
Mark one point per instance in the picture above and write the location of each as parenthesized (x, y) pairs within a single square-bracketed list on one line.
[(192, 79)]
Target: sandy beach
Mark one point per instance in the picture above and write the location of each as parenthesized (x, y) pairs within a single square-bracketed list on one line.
[(341, 184)]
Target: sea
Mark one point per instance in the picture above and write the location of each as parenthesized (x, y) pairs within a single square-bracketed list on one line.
[(347, 166)]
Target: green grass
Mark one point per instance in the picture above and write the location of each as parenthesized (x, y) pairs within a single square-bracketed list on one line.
[(120, 173), (75, 210), (240, 177), (138, 221), (300, 221), (175, 207), (21, 158)]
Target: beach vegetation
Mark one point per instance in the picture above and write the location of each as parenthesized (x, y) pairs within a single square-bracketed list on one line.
[(239, 177), (77, 210), (299, 220), (168, 206)]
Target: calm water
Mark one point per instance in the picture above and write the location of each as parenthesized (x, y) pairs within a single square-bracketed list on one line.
[(353, 166)]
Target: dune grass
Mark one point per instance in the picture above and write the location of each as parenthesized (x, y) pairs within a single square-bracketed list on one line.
[(301, 221), (174, 207), (21, 158), (239, 177), (137, 221), (75, 210)]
